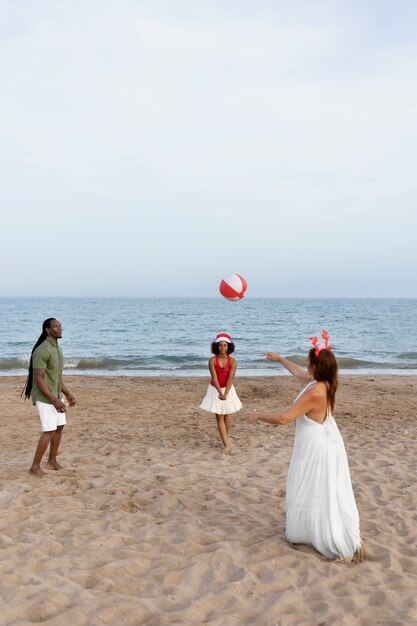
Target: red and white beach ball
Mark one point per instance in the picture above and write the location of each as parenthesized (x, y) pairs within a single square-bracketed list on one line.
[(233, 287)]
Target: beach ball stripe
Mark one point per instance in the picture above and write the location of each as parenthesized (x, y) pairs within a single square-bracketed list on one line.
[(233, 287)]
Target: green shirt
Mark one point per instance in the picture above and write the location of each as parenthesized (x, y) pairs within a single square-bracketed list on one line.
[(48, 356)]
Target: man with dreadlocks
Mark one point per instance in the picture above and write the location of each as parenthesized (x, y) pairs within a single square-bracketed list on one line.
[(44, 384)]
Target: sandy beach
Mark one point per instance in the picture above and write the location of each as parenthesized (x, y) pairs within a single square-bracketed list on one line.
[(150, 523)]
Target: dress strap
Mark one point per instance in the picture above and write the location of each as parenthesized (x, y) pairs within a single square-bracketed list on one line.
[(305, 388), (312, 382)]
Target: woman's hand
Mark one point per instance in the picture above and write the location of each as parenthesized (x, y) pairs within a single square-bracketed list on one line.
[(272, 356), (222, 396)]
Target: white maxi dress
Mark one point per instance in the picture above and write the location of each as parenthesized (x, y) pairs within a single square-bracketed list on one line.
[(320, 504)]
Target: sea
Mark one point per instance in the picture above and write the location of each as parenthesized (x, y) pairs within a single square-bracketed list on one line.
[(172, 336)]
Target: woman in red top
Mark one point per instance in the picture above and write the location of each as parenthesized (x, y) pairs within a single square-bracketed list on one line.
[(221, 398)]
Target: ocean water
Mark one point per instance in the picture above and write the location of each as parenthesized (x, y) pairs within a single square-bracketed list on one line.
[(172, 336)]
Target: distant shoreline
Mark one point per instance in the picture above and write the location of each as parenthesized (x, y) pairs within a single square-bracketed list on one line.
[(173, 377)]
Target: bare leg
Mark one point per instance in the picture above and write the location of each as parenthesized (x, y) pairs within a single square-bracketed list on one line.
[(43, 442), (226, 422), (221, 425), (228, 448), (53, 450)]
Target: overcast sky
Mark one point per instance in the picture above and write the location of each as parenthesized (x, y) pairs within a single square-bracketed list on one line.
[(152, 147)]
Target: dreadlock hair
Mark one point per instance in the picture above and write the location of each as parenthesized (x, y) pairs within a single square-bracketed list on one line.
[(325, 369), (27, 390)]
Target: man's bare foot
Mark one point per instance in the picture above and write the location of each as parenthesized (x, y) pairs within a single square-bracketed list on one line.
[(228, 449), (54, 465), (37, 472)]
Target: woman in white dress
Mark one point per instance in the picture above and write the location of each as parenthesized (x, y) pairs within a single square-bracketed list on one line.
[(320, 504)]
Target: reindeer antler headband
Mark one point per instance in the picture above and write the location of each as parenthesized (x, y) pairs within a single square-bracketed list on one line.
[(322, 346)]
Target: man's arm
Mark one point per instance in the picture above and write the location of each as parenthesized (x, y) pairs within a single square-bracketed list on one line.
[(68, 394), (39, 375)]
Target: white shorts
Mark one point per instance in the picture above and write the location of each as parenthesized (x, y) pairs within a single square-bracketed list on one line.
[(49, 416)]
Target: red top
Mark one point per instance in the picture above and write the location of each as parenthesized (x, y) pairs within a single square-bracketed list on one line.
[(222, 372)]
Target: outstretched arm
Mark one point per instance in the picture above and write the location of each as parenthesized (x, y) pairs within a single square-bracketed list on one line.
[(296, 370), (303, 405)]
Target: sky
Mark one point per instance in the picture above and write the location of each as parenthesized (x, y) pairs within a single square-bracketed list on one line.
[(150, 148)]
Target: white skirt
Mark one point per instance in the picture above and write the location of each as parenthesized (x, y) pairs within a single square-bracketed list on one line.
[(211, 402)]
